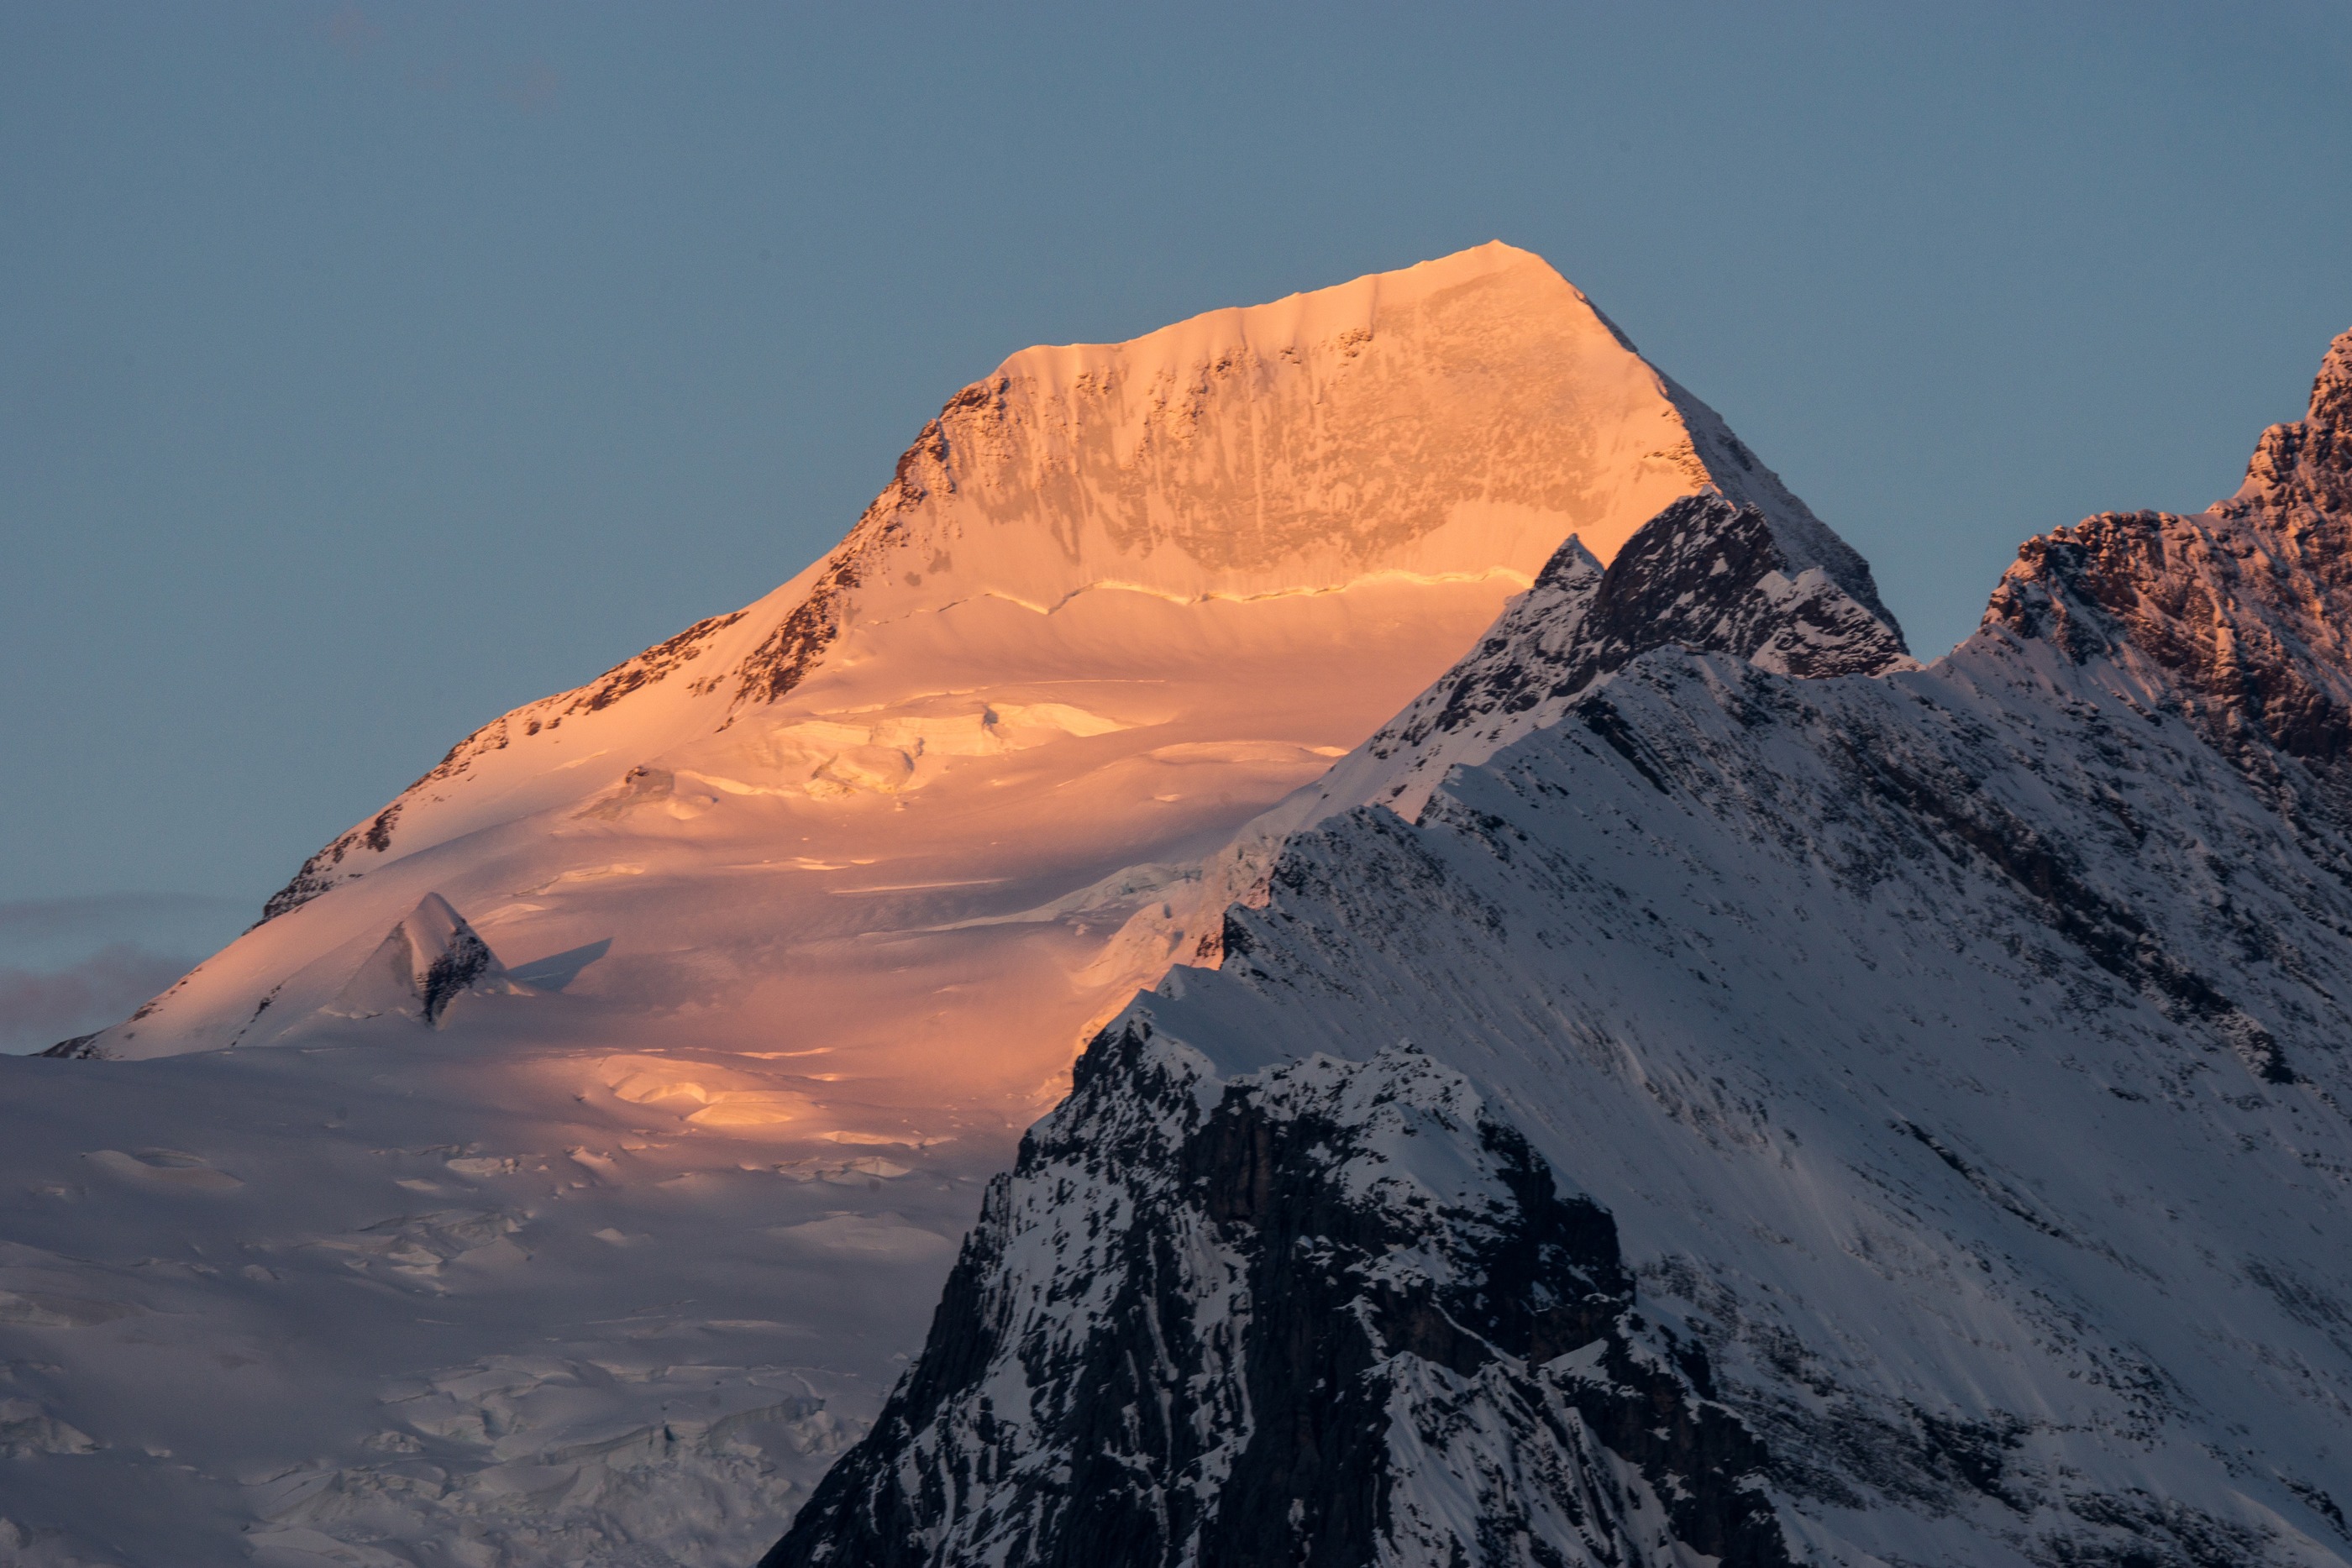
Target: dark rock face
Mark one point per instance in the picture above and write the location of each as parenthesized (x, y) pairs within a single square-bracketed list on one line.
[(324, 870), (1738, 472), (465, 960), (1306, 1325), (786, 655), (77, 1049), (1703, 573)]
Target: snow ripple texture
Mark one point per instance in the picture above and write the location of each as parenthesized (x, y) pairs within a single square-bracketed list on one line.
[(1930, 1082)]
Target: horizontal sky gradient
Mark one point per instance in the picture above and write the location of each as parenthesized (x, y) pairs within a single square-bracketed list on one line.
[(368, 369)]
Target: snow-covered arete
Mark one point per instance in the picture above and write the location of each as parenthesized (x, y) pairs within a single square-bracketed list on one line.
[(1897, 1117)]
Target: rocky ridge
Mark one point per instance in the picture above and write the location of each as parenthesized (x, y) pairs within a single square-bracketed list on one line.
[(1706, 573), (2233, 617)]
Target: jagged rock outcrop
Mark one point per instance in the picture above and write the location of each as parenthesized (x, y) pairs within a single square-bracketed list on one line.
[(1958, 1053), (1327, 1314), (2233, 618), (423, 965)]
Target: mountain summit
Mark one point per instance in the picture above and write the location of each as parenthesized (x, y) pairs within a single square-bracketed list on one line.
[(564, 1167), (1115, 600), (2236, 614)]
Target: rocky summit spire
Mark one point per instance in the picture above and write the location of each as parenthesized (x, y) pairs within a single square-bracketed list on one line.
[(2234, 617), (2310, 460)]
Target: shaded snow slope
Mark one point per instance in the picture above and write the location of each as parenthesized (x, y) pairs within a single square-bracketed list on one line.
[(1703, 573), (1952, 1060), (627, 1077), (398, 1300)]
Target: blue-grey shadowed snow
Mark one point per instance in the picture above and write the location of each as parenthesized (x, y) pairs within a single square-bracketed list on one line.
[(557, 970), (369, 370), (69, 966)]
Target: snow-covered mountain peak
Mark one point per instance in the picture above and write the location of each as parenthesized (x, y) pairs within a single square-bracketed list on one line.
[(1115, 600), (802, 916), (1456, 419), (1441, 428)]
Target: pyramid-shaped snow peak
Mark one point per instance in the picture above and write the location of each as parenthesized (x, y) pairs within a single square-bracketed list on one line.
[(423, 965)]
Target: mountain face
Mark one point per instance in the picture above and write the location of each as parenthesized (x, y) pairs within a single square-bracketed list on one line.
[(1700, 1086), (1117, 601), (565, 1169), (1364, 1273)]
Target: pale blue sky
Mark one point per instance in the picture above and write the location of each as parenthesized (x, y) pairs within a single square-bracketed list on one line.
[(368, 369)]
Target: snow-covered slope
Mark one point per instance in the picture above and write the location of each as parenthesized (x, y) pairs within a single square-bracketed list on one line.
[(631, 1074), (1117, 600), (1884, 1118), (1703, 573)]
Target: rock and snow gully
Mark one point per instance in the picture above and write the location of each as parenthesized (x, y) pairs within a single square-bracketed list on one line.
[(1699, 1086)]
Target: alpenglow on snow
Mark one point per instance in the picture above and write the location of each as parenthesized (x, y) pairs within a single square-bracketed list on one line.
[(563, 1169), (1630, 1067)]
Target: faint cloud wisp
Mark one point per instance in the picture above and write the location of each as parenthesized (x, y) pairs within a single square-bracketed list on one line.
[(71, 965), (350, 30), (38, 1008)]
